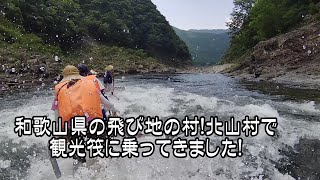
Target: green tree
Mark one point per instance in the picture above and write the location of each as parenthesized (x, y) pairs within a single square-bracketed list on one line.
[(255, 21)]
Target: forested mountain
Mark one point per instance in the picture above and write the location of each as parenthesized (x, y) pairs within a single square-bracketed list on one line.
[(254, 21), (215, 31), (71, 24), (207, 47)]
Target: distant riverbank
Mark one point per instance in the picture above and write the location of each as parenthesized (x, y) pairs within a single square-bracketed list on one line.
[(207, 69), (36, 81), (30, 77), (289, 78)]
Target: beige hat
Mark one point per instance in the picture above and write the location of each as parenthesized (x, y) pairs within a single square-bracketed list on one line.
[(109, 68), (70, 72)]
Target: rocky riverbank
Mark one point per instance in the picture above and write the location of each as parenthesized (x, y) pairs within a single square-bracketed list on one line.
[(29, 72), (207, 69), (292, 58), (36, 71), (290, 78)]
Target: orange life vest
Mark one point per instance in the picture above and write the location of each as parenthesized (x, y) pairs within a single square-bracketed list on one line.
[(80, 99), (94, 79)]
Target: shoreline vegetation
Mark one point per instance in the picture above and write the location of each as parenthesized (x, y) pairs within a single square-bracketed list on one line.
[(276, 41), (39, 71), (38, 39)]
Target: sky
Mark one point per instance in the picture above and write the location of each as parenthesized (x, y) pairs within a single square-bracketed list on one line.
[(196, 14)]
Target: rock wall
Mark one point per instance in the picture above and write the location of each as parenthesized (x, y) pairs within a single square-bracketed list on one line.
[(296, 53)]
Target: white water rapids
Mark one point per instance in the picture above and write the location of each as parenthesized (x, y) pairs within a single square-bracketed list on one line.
[(26, 157)]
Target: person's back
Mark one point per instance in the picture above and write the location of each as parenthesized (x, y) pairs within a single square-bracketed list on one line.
[(78, 98), (91, 75), (108, 79)]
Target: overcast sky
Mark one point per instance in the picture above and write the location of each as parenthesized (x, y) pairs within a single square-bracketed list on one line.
[(196, 14)]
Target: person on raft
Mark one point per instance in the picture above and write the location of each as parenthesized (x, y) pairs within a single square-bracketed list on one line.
[(67, 103), (108, 79), (86, 72)]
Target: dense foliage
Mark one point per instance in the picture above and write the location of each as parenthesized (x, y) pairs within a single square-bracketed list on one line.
[(257, 20), (13, 38), (207, 47), (71, 24), (18, 48)]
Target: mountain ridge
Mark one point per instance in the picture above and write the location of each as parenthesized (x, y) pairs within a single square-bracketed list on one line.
[(207, 47), (214, 31)]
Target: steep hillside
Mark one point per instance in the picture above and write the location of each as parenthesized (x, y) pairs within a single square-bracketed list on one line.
[(260, 20), (38, 37), (125, 23), (276, 40), (207, 47), (291, 57), (26, 61)]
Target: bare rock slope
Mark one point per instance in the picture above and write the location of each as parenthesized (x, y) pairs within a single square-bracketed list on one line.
[(293, 57)]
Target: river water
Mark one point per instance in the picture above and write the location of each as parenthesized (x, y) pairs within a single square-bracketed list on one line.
[(264, 157)]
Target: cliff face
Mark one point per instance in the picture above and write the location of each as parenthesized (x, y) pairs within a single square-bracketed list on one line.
[(291, 55), (297, 51)]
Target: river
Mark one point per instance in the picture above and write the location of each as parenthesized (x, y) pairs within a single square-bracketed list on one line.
[(290, 154)]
